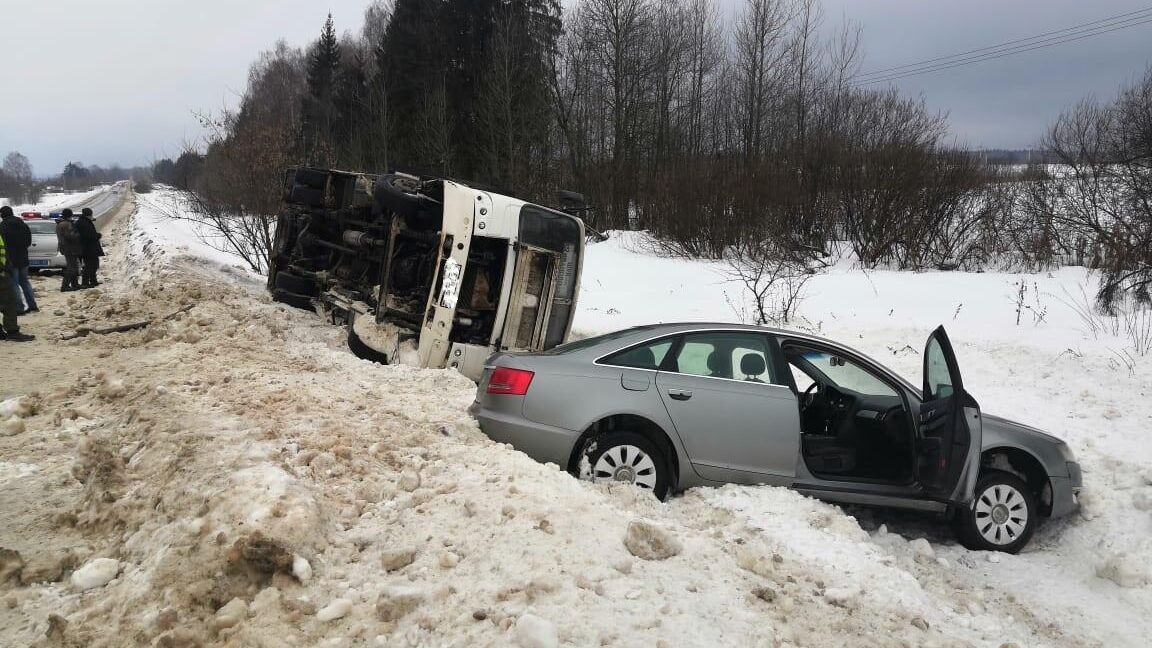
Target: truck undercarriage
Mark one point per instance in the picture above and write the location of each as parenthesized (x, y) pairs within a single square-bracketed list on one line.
[(427, 272)]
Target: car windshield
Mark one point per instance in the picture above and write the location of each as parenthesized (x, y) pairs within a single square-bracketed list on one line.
[(847, 374), (42, 227)]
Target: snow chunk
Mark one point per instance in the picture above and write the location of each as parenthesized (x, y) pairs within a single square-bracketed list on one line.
[(921, 547), (398, 559), (1125, 570), (650, 542), (535, 632), (301, 569), (20, 407), (12, 426), (334, 610), (96, 573), (844, 597), (231, 614), (409, 480), (395, 602)]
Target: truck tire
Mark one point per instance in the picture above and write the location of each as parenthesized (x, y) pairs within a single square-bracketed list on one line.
[(363, 351), (303, 302), (396, 193), (292, 283)]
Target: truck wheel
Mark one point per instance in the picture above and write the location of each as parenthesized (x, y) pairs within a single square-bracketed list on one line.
[(397, 193), (363, 351), (1003, 515), (296, 284), (303, 302)]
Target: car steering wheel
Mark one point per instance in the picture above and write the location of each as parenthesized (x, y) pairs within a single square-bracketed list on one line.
[(810, 395)]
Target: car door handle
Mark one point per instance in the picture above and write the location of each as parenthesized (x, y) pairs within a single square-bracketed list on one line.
[(680, 394)]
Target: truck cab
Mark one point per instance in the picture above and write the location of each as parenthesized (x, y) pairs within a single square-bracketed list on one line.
[(428, 272)]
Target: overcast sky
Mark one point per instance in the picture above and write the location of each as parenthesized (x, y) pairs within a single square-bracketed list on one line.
[(120, 81)]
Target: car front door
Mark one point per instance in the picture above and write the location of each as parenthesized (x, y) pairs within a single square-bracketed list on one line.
[(949, 434), (737, 420)]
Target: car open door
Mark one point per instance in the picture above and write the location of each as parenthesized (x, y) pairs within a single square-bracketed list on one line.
[(948, 437)]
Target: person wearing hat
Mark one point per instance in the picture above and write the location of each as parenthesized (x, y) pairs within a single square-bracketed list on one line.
[(90, 248), (18, 238), (68, 243), (9, 302)]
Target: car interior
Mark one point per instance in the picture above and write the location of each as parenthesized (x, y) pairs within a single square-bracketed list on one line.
[(854, 425)]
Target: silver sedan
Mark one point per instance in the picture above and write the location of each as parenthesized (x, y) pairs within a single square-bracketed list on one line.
[(672, 406)]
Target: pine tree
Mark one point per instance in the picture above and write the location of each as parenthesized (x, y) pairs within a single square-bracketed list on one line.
[(319, 110)]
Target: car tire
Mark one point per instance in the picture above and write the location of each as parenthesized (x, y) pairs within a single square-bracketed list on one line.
[(303, 302), (1003, 515), (632, 458), (293, 283), (363, 351)]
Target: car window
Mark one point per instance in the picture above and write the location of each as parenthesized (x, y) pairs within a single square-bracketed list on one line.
[(838, 370), (644, 356), (939, 379), (736, 356), (580, 345), (42, 227)]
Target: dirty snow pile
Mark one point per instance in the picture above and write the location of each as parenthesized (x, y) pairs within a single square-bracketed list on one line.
[(231, 475)]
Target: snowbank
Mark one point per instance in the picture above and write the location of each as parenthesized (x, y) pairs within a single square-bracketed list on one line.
[(257, 484)]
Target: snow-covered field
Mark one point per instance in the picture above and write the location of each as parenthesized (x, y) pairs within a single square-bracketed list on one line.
[(51, 202), (233, 476)]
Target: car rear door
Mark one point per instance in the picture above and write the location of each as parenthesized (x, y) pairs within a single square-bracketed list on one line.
[(948, 439), (43, 247), (736, 425)]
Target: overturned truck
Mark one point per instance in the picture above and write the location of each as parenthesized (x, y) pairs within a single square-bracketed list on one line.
[(427, 272)]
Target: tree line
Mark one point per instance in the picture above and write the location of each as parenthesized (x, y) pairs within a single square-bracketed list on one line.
[(750, 135)]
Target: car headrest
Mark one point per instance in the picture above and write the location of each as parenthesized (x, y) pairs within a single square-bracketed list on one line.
[(714, 361), (645, 358), (752, 364)]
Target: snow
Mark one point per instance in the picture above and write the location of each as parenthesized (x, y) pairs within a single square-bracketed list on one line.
[(243, 442), (96, 573), (50, 202)]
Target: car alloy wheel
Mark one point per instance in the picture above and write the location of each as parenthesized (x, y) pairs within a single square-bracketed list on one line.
[(630, 458), (626, 463), (1001, 514)]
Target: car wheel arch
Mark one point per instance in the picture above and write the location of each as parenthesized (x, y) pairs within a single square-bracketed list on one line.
[(637, 423), (1026, 466)]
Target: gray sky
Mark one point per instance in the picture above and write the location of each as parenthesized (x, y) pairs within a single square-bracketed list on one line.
[(118, 81)]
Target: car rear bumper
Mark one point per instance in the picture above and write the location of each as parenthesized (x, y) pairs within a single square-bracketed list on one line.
[(543, 443), (43, 263)]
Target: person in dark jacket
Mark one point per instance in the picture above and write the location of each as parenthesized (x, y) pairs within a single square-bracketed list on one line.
[(90, 248), (68, 244), (9, 302), (18, 238)]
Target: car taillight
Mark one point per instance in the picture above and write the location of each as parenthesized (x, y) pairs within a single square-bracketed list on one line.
[(512, 382)]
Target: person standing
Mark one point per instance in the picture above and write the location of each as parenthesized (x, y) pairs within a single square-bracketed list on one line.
[(9, 302), (18, 239), (90, 248), (68, 244)]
